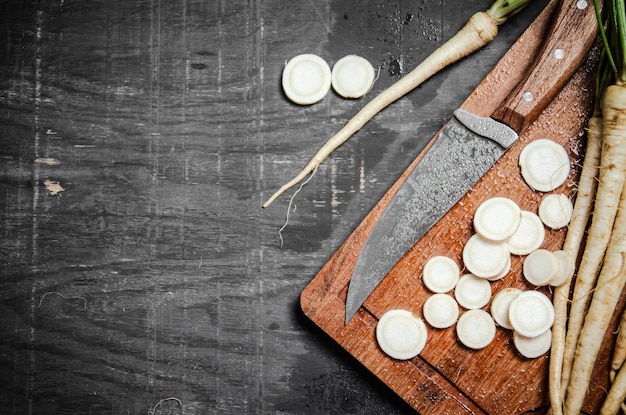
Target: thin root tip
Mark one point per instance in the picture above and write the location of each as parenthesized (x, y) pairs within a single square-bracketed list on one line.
[(292, 183), (271, 199)]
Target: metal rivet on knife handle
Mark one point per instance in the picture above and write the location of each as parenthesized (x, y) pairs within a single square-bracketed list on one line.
[(567, 44)]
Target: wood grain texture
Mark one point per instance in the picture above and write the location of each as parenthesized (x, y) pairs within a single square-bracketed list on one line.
[(573, 32), (447, 377), (154, 273)]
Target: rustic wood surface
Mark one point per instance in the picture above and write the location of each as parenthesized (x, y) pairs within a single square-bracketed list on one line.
[(138, 273), (447, 377)]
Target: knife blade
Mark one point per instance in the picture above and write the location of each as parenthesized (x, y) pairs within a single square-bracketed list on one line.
[(465, 149)]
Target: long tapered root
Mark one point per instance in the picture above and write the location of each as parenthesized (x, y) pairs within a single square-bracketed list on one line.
[(606, 295), (608, 225), (562, 353), (573, 240), (480, 29), (617, 393), (619, 352), (610, 182)]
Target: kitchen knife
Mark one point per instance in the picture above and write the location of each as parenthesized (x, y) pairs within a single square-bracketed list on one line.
[(466, 147)]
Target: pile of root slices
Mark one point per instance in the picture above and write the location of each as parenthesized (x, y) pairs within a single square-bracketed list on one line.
[(464, 298)]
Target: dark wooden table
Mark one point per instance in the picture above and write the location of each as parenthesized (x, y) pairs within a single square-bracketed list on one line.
[(138, 140)]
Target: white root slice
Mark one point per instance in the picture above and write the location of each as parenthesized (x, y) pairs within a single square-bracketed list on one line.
[(472, 292), (497, 218), (480, 29), (567, 266), (544, 164), (440, 274), (476, 329), (540, 267), (306, 79), (533, 347), (484, 258), (352, 76), (555, 210), (500, 306), (441, 311), (529, 235), (400, 334), (531, 313), (503, 272)]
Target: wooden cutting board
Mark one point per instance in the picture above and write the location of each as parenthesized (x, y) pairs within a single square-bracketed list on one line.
[(448, 378)]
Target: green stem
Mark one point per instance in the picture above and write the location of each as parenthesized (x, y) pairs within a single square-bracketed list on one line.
[(621, 35), (612, 29), (603, 37), (501, 10)]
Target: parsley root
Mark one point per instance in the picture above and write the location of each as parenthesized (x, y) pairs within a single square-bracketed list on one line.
[(480, 29)]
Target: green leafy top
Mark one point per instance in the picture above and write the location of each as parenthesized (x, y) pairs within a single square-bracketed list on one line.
[(612, 29), (501, 10)]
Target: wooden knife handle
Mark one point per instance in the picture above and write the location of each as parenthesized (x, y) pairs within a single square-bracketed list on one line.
[(571, 37)]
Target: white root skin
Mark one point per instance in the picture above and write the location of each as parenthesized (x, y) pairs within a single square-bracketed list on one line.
[(587, 184), (480, 29), (605, 297), (617, 393), (610, 203), (619, 352), (611, 179)]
